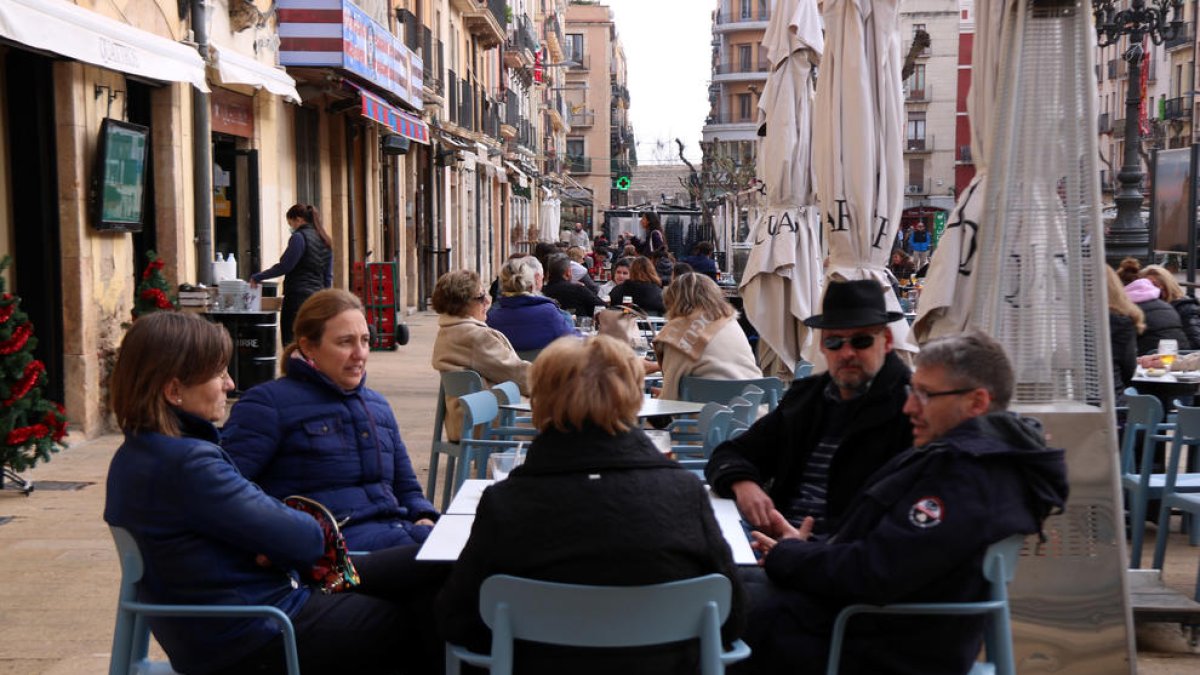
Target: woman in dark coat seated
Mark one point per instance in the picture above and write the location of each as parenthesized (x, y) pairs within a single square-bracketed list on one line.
[(1125, 323), (594, 503), (1162, 321), (1184, 304), (644, 288), (320, 432), (208, 536), (527, 318)]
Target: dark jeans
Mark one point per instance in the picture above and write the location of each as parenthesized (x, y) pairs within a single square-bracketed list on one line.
[(385, 626)]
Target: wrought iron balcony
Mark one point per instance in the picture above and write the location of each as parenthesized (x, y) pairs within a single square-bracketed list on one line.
[(1183, 38), (732, 67), (921, 144), (1178, 108), (579, 165), (583, 117), (1104, 123), (763, 15)]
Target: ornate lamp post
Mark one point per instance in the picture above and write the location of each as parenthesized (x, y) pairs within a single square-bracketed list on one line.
[(1129, 236)]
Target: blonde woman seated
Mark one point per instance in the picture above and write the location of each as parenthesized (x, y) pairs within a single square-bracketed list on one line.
[(465, 342), (617, 511), (527, 318), (702, 337)]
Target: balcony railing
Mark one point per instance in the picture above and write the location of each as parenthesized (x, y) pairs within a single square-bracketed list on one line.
[(917, 187), (964, 154), (922, 95), (1186, 36), (412, 28), (922, 144), (731, 67), (1178, 108), (730, 118), (1118, 129), (522, 36), (762, 15), (452, 87), (584, 117), (1104, 123), (579, 165), (581, 61)]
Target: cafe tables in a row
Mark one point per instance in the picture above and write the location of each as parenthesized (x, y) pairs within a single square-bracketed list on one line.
[(450, 535)]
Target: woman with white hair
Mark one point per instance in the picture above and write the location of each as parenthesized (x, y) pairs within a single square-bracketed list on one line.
[(527, 318)]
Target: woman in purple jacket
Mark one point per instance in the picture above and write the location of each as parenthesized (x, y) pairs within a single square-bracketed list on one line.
[(319, 431), (208, 536)]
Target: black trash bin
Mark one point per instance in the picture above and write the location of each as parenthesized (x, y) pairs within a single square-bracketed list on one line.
[(254, 357)]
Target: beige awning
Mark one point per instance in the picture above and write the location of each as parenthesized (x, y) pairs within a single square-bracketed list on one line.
[(234, 68), (62, 28)]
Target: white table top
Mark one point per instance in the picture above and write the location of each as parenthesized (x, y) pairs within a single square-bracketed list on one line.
[(1182, 377), (453, 529), (650, 407)]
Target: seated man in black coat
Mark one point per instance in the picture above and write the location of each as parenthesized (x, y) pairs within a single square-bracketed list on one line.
[(917, 532), (573, 297), (831, 431)]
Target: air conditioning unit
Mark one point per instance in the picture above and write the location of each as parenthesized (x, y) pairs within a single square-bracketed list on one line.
[(912, 189)]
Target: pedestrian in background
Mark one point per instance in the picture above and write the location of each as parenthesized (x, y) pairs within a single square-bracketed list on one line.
[(306, 264)]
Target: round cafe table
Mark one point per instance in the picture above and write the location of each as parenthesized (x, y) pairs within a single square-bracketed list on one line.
[(1167, 387)]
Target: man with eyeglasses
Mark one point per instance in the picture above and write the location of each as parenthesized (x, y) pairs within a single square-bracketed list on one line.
[(831, 431), (917, 532)]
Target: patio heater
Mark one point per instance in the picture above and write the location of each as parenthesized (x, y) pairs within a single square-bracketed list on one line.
[(1042, 294)]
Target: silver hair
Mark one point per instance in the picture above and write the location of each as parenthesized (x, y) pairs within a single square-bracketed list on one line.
[(972, 359), (518, 276)]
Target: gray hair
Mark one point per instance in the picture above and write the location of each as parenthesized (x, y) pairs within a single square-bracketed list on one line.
[(518, 276), (972, 359)]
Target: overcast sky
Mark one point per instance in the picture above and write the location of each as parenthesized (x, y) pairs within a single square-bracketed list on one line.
[(667, 46)]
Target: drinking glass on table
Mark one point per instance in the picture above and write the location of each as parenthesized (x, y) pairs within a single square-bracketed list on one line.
[(500, 464), (1167, 350)]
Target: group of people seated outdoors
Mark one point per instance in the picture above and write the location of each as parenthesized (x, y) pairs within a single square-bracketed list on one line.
[(869, 482)]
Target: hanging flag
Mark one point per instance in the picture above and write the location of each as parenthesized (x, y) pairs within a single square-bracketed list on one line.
[(539, 59)]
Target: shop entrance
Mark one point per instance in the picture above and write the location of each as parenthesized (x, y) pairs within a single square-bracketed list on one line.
[(236, 213), (36, 271)]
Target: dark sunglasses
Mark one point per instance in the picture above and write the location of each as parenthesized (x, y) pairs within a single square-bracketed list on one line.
[(860, 341)]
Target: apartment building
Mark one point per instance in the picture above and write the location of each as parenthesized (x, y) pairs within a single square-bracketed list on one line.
[(740, 70), (931, 97), (600, 145)]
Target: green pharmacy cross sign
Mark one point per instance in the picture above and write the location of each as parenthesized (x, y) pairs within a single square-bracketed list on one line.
[(622, 183)]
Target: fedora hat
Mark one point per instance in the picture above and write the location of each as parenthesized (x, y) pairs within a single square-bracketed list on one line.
[(852, 304)]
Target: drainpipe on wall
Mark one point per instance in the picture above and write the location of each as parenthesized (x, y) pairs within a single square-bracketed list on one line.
[(202, 154), (351, 228)]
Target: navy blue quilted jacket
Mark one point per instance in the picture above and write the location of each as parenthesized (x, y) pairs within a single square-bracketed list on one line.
[(199, 525), (302, 434)]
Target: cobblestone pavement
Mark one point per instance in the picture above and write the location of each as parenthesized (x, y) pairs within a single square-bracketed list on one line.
[(59, 588)]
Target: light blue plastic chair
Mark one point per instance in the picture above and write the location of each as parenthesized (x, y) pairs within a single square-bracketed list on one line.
[(601, 616), (703, 390), (479, 413), (131, 634), (454, 384), (1180, 491), (508, 424), (803, 369), (999, 566), (712, 426)]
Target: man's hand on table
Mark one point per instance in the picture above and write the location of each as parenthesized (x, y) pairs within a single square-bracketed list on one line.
[(783, 530), (756, 506)]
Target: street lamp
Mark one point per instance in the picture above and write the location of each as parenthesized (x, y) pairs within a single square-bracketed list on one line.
[(1129, 236)]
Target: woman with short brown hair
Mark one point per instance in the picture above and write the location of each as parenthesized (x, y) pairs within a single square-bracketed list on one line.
[(618, 512)]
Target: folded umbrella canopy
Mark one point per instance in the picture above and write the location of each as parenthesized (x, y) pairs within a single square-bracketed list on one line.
[(858, 122), (782, 282)]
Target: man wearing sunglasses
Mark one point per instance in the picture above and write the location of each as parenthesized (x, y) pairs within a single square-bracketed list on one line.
[(831, 431), (976, 474)]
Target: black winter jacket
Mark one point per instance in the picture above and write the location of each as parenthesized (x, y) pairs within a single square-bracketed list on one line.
[(645, 294), (1189, 318), (916, 533), (573, 297), (1162, 323), (775, 450), (1123, 336), (587, 507)]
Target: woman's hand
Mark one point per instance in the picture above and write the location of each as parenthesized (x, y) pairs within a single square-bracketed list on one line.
[(424, 521), (1150, 361)]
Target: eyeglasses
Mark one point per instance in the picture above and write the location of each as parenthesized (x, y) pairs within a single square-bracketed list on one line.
[(924, 396), (860, 341)]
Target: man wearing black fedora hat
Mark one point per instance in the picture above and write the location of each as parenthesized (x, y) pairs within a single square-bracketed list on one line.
[(831, 431)]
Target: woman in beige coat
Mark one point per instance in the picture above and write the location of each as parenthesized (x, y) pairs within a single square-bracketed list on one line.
[(465, 342), (701, 337)]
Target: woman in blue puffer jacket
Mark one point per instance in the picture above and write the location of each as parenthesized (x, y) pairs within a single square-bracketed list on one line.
[(320, 432)]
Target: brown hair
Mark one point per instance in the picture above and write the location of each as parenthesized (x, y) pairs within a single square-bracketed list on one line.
[(454, 292), (1119, 302), (309, 214), (1128, 270), (316, 311), (594, 381), (690, 293), (641, 269), (1171, 290), (158, 348)]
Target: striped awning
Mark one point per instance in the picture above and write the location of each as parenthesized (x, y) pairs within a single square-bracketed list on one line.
[(407, 125)]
